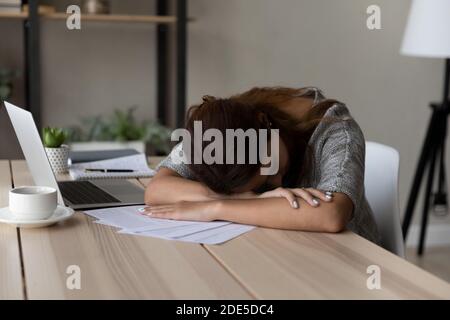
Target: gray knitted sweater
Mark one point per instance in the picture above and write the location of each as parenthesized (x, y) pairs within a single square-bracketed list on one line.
[(338, 149)]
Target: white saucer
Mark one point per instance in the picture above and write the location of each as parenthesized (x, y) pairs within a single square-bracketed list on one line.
[(61, 213)]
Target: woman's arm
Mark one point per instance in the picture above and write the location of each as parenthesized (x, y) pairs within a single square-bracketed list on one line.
[(277, 213), (269, 212), (167, 186)]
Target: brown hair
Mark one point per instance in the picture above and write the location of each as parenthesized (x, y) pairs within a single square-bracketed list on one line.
[(258, 108)]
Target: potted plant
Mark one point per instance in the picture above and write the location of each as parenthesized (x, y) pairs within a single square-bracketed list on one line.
[(120, 130), (57, 152)]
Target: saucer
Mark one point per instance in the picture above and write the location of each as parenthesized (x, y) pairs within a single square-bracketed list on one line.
[(61, 213)]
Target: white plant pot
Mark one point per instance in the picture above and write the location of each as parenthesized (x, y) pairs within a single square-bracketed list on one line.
[(138, 145), (58, 158)]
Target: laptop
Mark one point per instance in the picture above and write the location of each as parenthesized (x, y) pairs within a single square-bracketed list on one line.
[(75, 194)]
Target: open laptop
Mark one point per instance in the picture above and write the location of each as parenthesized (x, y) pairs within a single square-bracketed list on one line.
[(75, 194)]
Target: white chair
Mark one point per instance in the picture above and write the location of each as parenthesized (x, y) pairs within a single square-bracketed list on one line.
[(381, 186)]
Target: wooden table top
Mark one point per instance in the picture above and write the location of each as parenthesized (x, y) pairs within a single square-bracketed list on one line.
[(262, 264)]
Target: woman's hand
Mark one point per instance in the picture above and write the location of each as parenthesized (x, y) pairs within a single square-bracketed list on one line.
[(184, 210), (310, 195)]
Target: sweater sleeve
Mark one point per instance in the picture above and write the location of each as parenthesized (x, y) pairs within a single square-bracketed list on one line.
[(181, 168), (342, 159)]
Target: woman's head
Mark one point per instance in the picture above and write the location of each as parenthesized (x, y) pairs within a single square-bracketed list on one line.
[(257, 109)]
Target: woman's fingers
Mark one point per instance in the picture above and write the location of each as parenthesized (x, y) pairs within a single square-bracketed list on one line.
[(282, 193), (163, 215), (290, 196), (310, 195), (307, 196), (163, 206), (325, 196), (153, 210)]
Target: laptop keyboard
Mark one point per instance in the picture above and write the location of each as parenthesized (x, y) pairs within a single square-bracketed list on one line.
[(84, 192)]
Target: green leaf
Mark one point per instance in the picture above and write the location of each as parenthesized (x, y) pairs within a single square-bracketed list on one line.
[(53, 137)]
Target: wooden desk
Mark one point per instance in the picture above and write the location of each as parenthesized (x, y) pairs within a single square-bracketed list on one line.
[(261, 264)]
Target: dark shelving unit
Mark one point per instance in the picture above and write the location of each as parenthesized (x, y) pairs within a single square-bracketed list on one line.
[(31, 23)]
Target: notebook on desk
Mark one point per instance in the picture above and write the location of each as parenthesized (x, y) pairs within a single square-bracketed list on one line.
[(129, 167), (88, 156)]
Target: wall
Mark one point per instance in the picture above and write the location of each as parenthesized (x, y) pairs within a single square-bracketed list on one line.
[(103, 66)]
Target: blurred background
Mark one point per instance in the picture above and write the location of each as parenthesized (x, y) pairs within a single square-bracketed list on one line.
[(87, 75)]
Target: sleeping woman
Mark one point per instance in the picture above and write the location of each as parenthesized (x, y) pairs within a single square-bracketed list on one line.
[(319, 184)]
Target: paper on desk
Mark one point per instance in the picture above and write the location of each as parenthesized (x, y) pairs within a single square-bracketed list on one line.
[(176, 230), (136, 162), (121, 217), (176, 224), (218, 235), (214, 235), (131, 221)]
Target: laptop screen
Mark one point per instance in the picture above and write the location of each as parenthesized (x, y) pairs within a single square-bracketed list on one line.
[(32, 148)]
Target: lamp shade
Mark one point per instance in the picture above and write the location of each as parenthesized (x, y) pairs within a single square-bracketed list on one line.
[(427, 32)]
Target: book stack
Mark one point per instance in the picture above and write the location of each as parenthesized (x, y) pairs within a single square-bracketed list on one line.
[(10, 6)]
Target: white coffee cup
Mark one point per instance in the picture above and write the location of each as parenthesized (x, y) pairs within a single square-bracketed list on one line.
[(32, 203)]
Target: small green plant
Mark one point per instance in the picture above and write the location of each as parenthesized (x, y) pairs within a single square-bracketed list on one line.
[(53, 137)]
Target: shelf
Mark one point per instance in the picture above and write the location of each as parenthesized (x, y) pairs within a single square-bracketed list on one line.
[(115, 17), (19, 15), (162, 18), (97, 17)]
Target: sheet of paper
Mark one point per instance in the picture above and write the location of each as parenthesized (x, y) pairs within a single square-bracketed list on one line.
[(172, 224), (136, 162), (217, 236), (211, 236), (130, 221), (177, 231), (122, 217)]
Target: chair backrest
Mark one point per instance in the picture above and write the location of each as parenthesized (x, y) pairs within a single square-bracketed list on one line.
[(381, 186)]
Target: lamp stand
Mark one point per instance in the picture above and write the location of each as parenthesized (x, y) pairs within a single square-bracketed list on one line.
[(433, 150)]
